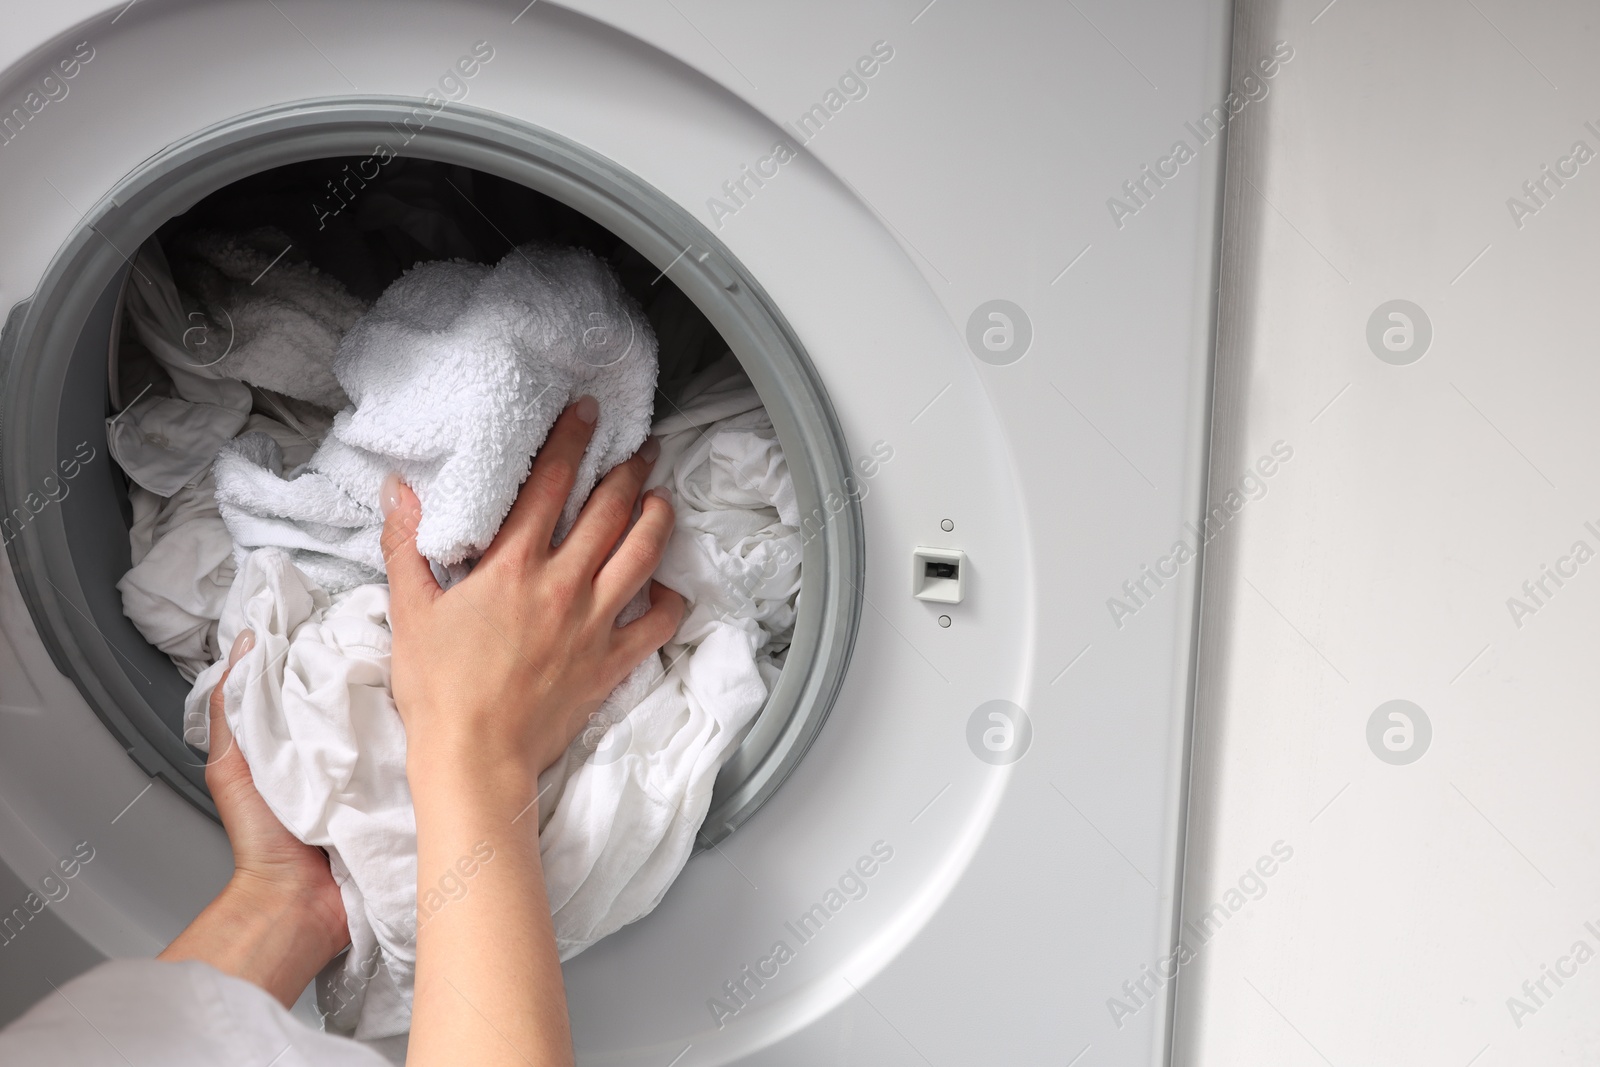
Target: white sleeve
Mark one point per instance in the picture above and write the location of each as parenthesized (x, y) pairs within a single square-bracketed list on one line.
[(185, 1014)]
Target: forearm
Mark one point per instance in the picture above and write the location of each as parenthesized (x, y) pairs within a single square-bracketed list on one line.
[(262, 934), (488, 985)]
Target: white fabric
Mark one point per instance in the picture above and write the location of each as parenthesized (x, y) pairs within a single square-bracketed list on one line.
[(634, 798), (455, 378), (182, 568), (183, 561), (185, 1014), (156, 439), (310, 709), (271, 321), (276, 325), (735, 555), (167, 442)]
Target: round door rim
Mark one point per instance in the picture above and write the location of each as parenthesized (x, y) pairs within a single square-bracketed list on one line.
[(43, 333)]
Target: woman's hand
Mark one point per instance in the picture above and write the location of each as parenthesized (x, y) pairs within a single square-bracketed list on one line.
[(280, 918), (267, 858), (493, 680), (505, 667)]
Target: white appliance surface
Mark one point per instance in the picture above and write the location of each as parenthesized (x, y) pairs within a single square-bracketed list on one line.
[(1065, 458)]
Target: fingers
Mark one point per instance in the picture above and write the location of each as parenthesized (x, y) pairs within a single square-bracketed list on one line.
[(638, 555), (609, 508), (532, 521), (411, 581), (653, 629)]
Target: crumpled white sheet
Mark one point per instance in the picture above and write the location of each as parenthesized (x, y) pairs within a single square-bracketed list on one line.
[(163, 442), (311, 710), (183, 560)]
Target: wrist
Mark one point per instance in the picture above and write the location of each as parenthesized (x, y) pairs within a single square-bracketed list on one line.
[(309, 916), (471, 773), (263, 933)]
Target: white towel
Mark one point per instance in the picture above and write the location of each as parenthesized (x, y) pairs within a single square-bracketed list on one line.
[(270, 320), (455, 378)]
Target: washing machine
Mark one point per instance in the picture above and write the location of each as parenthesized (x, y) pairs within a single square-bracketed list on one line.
[(967, 254)]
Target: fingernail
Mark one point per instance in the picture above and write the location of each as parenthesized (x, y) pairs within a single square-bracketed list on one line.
[(587, 409), (241, 644), (650, 450), (663, 492), (389, 495)]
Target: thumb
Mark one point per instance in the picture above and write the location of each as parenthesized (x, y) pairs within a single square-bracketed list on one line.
[(411, 581), (221, 737)]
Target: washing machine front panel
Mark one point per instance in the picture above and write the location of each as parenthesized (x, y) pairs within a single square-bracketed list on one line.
[(998, 889)]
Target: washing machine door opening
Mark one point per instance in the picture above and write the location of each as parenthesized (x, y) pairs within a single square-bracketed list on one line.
[(70, 547)]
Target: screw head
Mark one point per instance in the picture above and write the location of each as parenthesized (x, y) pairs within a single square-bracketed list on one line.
[(944, 621), (946, 525)]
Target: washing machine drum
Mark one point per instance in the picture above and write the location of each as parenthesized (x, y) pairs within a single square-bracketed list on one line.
[(68, 516)]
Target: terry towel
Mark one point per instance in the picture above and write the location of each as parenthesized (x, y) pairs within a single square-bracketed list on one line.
[(271, 321), (454, 377)]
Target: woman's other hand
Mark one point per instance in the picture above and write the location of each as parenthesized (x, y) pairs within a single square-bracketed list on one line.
[(280, 918)]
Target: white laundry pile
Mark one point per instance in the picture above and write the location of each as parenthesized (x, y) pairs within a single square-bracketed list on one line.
[(192, 402), (273, 325), (310, 704), (183, 560)]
